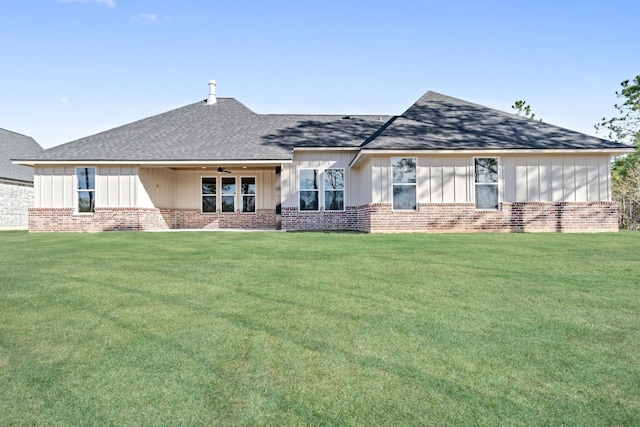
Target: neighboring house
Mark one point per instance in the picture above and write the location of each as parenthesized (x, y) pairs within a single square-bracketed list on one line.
[(16, 182), (443, 165)]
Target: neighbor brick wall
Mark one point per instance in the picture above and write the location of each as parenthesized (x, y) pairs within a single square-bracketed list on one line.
[(15, 201)]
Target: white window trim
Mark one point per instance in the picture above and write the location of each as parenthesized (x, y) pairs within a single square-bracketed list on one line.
[(78, 190), (242, 195), (317, 190), (498, 183), (344, 190), (404, 184), (235, 195), (202, 195)]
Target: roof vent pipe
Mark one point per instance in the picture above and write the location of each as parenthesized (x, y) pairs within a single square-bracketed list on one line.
[(212, 93)]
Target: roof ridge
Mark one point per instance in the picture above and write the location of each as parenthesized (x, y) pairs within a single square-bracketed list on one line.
[(153, 116), (323, 115), (16, 133), (507, 114)]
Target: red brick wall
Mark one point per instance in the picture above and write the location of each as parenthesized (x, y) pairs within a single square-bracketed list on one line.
[(512, 217), (103, 219), (262, 219), (292, 219), (461, 217), (115, 219), (374, 218)]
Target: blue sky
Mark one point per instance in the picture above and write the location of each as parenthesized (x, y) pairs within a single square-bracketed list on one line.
[(72, 68)]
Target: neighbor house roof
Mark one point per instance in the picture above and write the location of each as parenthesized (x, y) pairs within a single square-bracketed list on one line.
[(229, 131), (14, 145), (440, 122)]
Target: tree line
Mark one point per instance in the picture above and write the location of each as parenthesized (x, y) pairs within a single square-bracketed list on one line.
[(625, 170)]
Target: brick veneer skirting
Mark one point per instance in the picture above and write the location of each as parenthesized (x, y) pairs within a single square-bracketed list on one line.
[(373, 218), (119, 219), (262, 219), (512, 217), (103, 219), (461, 217), (293, 219)]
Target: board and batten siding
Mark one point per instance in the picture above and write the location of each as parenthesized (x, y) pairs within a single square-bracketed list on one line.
[(124, 186), (116, 186), (189, 187), (55, 186), (440, 179), (157, 188), (320, 160), (557, 178), (531, 178)]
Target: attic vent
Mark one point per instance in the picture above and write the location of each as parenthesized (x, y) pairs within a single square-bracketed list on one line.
[(212, 93), (346, 117)]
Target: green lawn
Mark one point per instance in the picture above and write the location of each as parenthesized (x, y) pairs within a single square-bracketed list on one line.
[(271, 328)]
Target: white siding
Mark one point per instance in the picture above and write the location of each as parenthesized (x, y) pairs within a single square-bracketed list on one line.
[(443, 179), (287, 186), (557, 178), (531, 178), (157, 188), (380, 184), (116, 187), (453, 182), (360, 184), (320, 160), (189, 187), (436, 182), (54, 187)]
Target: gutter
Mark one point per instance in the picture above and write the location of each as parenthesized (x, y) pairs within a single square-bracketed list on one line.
[(475, 152), (272, 162)]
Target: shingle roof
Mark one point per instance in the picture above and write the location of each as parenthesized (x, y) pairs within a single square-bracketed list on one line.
[(440, 122), (227, 130), (14, 145)]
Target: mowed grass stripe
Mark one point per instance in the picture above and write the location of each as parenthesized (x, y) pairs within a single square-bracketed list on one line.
[(319, 329)]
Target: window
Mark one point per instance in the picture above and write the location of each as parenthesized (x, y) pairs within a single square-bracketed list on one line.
[(228, 195), (86, 189), (404, 183), (248, 191), (309, 189), (486, 172), (209, 192), (334, 189)]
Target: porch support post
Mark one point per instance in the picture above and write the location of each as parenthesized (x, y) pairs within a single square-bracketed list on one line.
[(278, 199)]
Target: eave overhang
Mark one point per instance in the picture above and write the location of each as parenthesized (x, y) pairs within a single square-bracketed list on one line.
[(155, 163), (15, 181), (364, 153), (326, 149)]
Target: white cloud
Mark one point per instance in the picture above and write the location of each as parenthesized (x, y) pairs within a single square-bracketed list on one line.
[(148, 18), (64, 100), (110, 3)]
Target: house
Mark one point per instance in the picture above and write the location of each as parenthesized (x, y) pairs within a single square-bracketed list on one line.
[(16, 182), (443, 165)]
